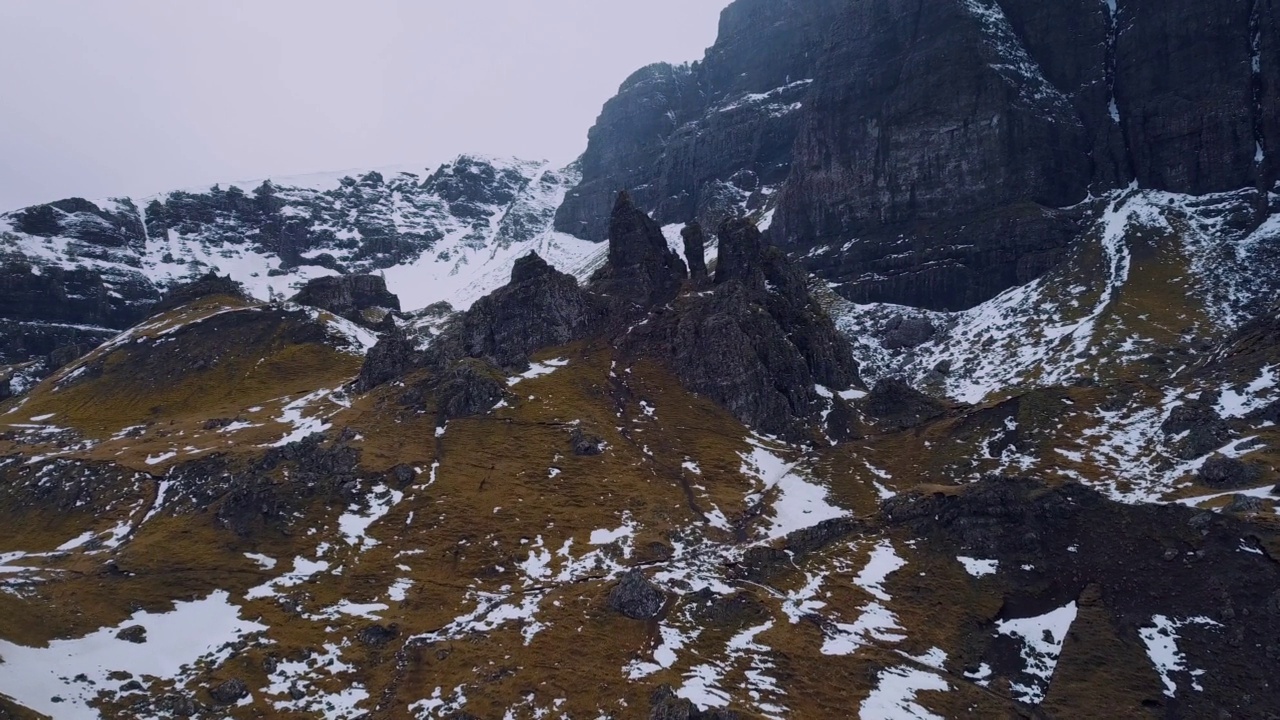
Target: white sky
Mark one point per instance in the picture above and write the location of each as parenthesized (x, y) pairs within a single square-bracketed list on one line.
[(133, 97)]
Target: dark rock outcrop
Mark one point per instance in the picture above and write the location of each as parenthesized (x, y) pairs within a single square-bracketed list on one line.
[(894, 403), (43, 309), (666, 705), (66, 355), (361, 299), (636, 597), (761, 562), (1065, 544), (229, 692), (585, 444), (206, 286), (468, 387), (467, 363), (1226, 472), (378, 635), (179, 704), (1244, 504), (695, 250), (391, 357), (84, 221), (642, 270), (540, 307), (758, 344), (1195, 429)]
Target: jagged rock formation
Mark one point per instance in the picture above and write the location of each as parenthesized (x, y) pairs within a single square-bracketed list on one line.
[(943, 136), (695, 251), (671, 482), (642, 270), (540, 307), (361, 299), (758, 344)]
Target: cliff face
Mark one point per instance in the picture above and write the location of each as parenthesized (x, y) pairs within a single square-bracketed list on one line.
[(923, 152), (705, 139)]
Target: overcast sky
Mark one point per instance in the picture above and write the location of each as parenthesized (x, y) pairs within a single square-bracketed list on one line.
[(133, 97)]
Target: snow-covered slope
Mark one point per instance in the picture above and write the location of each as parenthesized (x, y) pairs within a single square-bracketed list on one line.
[(435, 234), (1156, 270)]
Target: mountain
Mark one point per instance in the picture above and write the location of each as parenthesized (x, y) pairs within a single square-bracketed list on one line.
[(928, 153), (893, 361), (656, 494), (77, 272)]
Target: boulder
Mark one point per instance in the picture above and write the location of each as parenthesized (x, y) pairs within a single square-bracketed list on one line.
[(1244, 504), (636, 597), (907, 332), (180, 705), (134, 634), (229, 692), (585, 444), (1226, 472), (470, 387), (378, 635), (392, 357), (1194, 429)]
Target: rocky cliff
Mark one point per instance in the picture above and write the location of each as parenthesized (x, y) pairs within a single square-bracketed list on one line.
[(76, 272), (929, 153)]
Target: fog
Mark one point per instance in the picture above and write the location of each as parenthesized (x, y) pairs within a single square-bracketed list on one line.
[(134, 97)]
